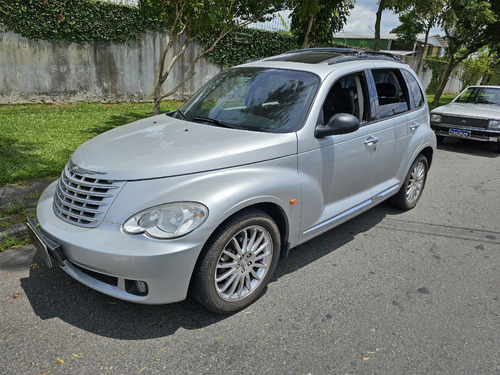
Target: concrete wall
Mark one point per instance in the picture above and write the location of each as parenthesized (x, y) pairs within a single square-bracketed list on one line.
[(39, 71), (425, 75)]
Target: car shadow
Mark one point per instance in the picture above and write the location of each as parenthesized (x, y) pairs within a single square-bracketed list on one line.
[(470, 147), (54, 294)]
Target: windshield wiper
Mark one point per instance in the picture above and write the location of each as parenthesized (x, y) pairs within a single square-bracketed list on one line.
[(178, 114), (212, 121)]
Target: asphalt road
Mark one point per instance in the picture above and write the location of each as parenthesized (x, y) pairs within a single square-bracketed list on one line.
[(389, 292)]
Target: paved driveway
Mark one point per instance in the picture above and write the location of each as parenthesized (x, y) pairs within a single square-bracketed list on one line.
[(386, 293)]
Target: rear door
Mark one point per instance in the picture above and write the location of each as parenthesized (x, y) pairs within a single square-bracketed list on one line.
[(391, 128)]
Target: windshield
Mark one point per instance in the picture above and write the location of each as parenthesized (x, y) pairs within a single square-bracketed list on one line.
[(270, 100), (483, 95)]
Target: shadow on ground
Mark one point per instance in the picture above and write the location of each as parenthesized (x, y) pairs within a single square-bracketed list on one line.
[(53, 294), (470, 147)]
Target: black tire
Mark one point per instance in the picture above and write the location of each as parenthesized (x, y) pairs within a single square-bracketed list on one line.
[(413, 185), (237, 263)]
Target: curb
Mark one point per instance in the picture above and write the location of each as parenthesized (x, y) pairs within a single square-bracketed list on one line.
[(23, 197)]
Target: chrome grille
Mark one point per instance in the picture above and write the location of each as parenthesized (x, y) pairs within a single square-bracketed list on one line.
[(82, 199), (465, 121)]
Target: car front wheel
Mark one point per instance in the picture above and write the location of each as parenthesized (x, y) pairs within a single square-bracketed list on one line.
[(237, 263), (413, 185)]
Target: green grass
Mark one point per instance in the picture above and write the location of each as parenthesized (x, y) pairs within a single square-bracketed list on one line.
[(37, 140), (444, 99)]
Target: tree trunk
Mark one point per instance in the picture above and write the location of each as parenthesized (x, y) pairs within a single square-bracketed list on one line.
[(305, 44), (449, 68), (376, 42)]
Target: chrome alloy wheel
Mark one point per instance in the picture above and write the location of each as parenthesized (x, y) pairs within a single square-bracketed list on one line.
[(416, 182), (243, 263)]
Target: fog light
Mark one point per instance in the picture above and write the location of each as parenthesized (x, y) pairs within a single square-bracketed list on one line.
[(141, 287)]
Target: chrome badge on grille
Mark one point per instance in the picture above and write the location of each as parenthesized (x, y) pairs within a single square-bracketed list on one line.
[(76, 169)]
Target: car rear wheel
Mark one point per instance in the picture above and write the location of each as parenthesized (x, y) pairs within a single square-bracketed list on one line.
[(237, 263), (413, 185)]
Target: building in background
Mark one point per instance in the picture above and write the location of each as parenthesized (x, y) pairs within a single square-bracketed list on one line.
[(389, 42)]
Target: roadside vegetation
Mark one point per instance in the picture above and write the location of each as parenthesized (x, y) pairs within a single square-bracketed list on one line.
[(36, 141)]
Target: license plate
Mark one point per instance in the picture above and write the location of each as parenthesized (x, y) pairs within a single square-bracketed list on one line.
[(39, 242), (459, 133)]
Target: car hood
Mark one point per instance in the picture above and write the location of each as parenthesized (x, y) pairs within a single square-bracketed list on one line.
[(489, 111), (162, 146)]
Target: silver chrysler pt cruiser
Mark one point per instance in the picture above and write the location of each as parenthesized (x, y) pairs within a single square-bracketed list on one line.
[(266, 156)]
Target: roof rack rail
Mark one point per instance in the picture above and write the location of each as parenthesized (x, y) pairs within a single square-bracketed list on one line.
[(351, 54), (360, 54)]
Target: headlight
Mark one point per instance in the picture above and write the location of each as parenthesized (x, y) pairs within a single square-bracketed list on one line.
[(435, 117), (167, 221), (494, 124)]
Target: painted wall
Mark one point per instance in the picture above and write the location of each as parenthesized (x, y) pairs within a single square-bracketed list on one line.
[(39, 71), (453, 86)]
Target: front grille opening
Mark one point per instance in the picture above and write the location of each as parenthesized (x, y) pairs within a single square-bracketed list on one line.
[(110, 280), (82, 200), (465, 121)]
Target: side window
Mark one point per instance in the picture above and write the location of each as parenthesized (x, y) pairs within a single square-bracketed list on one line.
[(416, 93), (392, 93), (348, 95)]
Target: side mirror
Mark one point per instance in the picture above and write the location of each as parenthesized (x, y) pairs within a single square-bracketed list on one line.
[(340, 123)]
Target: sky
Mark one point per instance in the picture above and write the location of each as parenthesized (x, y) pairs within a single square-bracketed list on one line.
[(362, 19)]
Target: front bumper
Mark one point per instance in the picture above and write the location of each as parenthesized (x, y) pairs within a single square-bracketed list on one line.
[(110, 261), (478, 134)]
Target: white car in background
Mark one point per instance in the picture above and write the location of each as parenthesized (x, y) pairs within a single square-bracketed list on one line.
[(473, 114)]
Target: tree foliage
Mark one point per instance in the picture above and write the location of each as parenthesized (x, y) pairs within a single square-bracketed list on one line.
[(468, 25), (247, 43), (475, 67), (74, 21), (315, 21), (410, 27)]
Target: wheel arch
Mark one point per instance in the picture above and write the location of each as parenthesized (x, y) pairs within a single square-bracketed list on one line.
[(274, 211), (428, 152)]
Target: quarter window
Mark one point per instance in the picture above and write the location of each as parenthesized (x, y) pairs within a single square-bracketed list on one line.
[(416, 93)]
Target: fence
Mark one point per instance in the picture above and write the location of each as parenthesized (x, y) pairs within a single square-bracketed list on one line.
[(38, 71)]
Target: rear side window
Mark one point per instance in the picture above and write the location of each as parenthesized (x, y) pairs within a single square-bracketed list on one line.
[(392, 93), (417, 98)]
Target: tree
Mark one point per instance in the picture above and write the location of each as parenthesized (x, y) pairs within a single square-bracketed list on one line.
[(468, 25), (426, 12), (410, 27), (187, 20), (475, 67), (315, 21)]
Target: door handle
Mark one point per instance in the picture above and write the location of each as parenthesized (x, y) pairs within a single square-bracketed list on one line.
[(370, 141), (414, 126)]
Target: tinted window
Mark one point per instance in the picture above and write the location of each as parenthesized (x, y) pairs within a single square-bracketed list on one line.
[(347, 95), (392, 93), (271, 100), (416, 94)]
